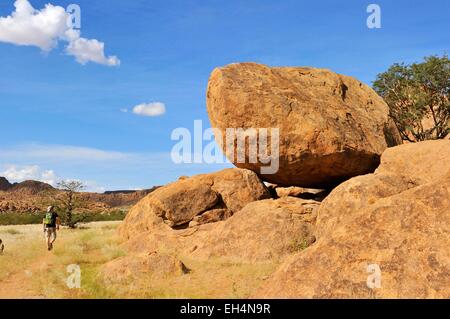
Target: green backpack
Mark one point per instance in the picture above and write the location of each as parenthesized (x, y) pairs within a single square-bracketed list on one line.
[(48, 219)]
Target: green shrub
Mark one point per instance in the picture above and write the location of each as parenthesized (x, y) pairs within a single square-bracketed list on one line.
[(20, 219), (418, 96)]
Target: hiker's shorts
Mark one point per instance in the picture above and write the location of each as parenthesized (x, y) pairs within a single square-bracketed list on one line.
[(50, 232)]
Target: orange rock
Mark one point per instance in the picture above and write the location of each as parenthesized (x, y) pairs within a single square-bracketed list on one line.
[(332, 127), (265, 229), (179, 202), (395, 221), (155, 265)]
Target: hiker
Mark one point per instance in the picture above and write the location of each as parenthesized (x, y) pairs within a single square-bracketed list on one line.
[(2, 247), (51, 224)]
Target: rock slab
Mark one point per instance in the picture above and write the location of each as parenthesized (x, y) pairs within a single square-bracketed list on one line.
[(393, 224)]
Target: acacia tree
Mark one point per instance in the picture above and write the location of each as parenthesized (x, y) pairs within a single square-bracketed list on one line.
[(418, 97), (69, 200)]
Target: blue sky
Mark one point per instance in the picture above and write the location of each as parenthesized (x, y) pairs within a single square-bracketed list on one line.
[(63, 119)]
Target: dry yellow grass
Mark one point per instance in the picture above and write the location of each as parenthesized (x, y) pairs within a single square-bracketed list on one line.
[(21, 247), (213, 278), (28, 270)]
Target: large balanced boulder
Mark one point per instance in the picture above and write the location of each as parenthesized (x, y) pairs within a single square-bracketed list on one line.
[(383, 235), (178, 203), (331, 126)]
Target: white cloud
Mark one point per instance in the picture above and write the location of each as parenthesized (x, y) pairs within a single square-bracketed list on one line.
[(16, 173), (111, 170), (89, 50), (45, 28), (61, 152), (92, 186), (150, 109), (124, 110), (49, 177), (26, 26)]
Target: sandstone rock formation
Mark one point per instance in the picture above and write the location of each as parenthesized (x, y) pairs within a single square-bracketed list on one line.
[(211, 216), (293, 191), (247, 225), (153, 264), (262, 230), (300, 192), (396, 219), (266, 229), (403, 167), (180, 202), (332, 127)]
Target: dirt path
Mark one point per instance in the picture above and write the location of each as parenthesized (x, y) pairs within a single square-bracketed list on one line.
[(28, 270), (20, 284)]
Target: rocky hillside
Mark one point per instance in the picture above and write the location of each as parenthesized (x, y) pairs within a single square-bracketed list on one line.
[(4, 184), (33, 196), (377, 227)]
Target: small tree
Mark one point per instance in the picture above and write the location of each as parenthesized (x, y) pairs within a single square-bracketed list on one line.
[(418, 97), (68, 201)]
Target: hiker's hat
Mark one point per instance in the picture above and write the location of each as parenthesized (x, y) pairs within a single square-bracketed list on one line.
[(49, 208)]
